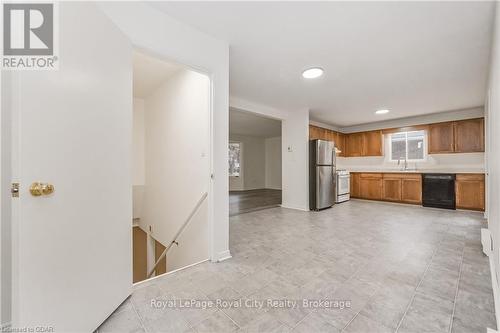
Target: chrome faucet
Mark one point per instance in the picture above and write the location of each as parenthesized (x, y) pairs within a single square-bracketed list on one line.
[(405, 167)]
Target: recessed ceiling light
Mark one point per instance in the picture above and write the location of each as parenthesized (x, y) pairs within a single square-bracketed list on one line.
[(383, 111), (312, 73)]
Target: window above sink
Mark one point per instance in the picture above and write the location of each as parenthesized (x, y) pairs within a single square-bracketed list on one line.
[(409, 146)]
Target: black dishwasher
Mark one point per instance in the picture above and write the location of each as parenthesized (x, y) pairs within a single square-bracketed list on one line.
[(438, 190)]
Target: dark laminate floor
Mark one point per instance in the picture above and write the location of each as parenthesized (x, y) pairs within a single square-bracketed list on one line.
[(247, 201)]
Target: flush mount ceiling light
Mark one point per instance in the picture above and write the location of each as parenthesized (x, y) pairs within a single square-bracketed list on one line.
[(383, 111), (312, 73)]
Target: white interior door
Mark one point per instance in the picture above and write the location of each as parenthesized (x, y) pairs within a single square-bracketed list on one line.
[(72, 249)]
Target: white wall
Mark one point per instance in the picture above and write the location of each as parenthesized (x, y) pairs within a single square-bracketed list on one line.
[(253, 163), (493, 150), (166, 37), (138, 159), (295, 150), (273, 163), (138, 137), (260, 161), (177, 173), (470, 162)]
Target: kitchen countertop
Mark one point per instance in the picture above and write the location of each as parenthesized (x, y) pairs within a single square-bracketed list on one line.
[(418, 171)]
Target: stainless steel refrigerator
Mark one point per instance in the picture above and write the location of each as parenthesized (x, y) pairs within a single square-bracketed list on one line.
[(321, 174)]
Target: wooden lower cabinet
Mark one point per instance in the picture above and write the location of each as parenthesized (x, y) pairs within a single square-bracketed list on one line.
[(355, 192), (391, 190), (371, 186), (411, 189), (469, 191), (407, 188), (395, 187)]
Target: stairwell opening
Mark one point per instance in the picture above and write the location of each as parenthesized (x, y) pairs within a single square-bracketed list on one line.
[(171, 166)]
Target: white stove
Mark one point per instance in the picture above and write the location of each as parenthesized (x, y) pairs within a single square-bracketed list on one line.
[(343, 186)]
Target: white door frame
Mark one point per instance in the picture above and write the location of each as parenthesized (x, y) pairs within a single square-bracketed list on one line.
[(210, 138), (154, 31)]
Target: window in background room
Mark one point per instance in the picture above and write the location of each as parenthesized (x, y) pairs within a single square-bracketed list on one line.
[(408, 145), (234, 159)]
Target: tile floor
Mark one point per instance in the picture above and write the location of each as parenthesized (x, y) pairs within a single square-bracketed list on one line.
[(247, 201), (384, 267)]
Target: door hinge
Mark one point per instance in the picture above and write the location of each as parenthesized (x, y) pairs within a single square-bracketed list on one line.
[(212, 176), (14, 190)]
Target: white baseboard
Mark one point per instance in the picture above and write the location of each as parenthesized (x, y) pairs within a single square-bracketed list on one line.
[(224, 255), (487, 244), (296, 208), (496, 293), (168, 273)]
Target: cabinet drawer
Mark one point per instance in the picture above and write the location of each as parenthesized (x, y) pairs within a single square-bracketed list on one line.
[(393, 175), (371, 175), (470, 177), (416, 176)]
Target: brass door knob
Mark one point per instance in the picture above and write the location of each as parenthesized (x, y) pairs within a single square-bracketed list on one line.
[(37, 189)]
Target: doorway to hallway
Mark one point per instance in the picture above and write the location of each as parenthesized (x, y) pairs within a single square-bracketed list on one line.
[(255, 175)]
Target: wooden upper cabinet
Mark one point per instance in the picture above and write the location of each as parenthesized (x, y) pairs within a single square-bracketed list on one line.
[(322, 133), (469, 191), (313, 132), (464, 136), (354, 144), (363, 144), (372, 143), (339, 139), (469, 136), (340, 144), (330, 135), (441, 138), (316, 133)]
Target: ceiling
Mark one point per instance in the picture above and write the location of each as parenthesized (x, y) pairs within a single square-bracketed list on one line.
[(245, 123), (149, 73), (410, 57)]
